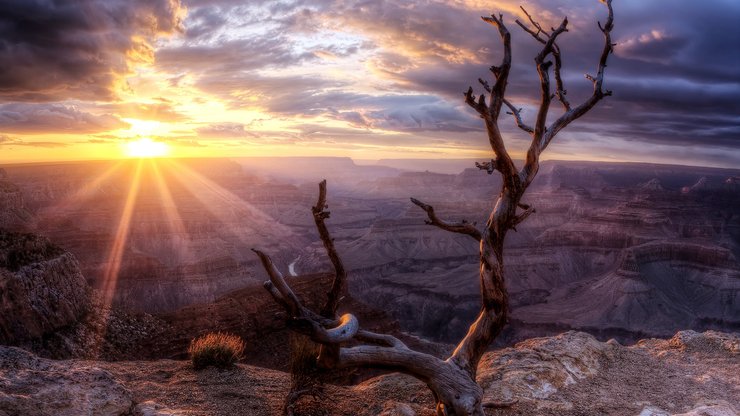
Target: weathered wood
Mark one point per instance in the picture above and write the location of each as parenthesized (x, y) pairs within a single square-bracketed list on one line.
[(452, 381), (462, 227), (340, 274)]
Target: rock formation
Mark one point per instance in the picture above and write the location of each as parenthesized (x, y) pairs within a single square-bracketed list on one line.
[(566, 375), (590, 217), (37, 386), (41, 288), (13, 213)]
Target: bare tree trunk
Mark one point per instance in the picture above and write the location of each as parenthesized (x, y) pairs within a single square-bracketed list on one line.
[(307, 378), (452, 381)]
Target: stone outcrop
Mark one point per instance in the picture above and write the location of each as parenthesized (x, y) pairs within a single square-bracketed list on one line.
[(30, 385), (41, 288), (572, 374), (537, 368)]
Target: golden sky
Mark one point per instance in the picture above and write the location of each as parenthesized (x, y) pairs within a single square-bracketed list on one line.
[(366, 79)]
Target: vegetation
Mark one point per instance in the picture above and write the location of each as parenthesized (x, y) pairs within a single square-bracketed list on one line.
[(216, 349)]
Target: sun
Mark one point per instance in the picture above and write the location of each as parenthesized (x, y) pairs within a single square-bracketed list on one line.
[(146, 147)]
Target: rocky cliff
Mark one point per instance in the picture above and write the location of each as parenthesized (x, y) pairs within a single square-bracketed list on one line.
[(691, 374), (169, 235), (13, 212), (187, 243), (41, 288)]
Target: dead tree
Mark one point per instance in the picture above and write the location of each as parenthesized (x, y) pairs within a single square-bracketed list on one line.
[(452, 381)]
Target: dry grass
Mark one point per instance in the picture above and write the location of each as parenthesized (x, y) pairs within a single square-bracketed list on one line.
[(216, 349)]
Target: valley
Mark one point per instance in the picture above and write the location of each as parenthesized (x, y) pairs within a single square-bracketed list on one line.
[(621, 251)]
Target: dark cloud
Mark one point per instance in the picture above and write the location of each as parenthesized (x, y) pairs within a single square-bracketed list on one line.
[(53, 118), (56, 50), (653, 46)]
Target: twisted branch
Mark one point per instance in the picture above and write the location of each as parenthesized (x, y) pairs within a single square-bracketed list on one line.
[(340, 274), (463, 227)]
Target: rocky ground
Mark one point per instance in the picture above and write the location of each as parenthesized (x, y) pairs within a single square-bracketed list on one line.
[(569, 374)]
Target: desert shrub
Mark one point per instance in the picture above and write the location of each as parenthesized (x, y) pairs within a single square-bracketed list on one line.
[(216, 349)]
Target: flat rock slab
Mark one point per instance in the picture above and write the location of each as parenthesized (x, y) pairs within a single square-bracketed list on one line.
[(30, 385)]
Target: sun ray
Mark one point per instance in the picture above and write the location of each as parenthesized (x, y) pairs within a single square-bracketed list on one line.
[(213, 196), (54, 213), (115, 257), (174, 220)]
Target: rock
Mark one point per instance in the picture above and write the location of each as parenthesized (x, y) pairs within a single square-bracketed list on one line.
[(151, 408), (13, 213), (537, 368), (397, 409), (35, 386), (652, 185), (41, 288), (712, 410), (716, 409), (708, 341)]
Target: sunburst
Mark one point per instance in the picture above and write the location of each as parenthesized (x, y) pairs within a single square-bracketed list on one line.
[(146, 148)]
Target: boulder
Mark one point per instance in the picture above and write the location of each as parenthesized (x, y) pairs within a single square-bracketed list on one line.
[(535, 369)]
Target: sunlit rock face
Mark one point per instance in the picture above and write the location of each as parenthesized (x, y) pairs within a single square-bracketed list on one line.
[(41, 288)]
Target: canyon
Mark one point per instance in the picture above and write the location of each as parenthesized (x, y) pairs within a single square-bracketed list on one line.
[(624, 251)]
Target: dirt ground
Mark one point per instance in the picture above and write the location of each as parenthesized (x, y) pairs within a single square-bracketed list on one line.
[(654, 377)]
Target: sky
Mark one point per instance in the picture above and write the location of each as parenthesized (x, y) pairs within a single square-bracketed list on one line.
[(368, 79)]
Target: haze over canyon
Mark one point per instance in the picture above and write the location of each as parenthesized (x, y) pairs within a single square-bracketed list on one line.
[(617, 250)]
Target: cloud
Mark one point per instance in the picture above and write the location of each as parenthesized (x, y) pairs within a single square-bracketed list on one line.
[(11, 142), (145, 111), (56, 50), (232, 56), (224, 131), (653, 46), (389, 65), (25, 118)]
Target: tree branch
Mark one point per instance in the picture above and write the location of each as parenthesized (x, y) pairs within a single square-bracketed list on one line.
[(278, 287), (498, 91), (479, 106), (542, 69), (489, 167), (517, 116), (521, 217), (388, 340), (340, 274), (462, 227), (560, 91), (542, 140)]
